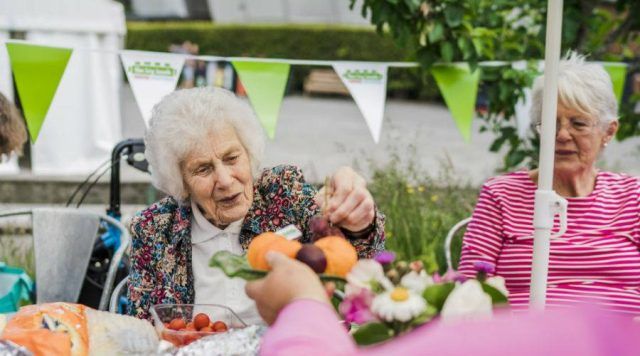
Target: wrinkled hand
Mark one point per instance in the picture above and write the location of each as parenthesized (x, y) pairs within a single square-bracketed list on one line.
[(288, 280), (350, 205)]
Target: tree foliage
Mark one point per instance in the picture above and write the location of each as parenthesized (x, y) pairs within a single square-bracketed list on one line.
[(448, 31)]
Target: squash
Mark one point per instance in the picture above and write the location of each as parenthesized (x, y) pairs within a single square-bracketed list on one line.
[(340, 254), (269, 241)]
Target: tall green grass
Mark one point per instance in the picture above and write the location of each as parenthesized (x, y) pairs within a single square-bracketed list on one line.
[(420, 210), (16, 252)]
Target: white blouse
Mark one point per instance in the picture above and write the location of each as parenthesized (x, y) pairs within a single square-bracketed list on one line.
[(211, 285)]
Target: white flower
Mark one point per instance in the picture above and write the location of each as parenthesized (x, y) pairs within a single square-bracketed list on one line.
[(400, 304), (467, 301), (498, 283), (417, 282), (351, 289), (367, 274)]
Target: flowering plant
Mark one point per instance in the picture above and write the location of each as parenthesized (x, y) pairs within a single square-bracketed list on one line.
[(384, 298)]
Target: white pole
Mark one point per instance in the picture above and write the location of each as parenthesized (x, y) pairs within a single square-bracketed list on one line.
[(543, 216)]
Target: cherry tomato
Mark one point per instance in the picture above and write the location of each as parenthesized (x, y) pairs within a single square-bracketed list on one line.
[(181, 339), (207, 329), (172, 337), (177, 324), (190, 337), (201, 321), (219, 326)]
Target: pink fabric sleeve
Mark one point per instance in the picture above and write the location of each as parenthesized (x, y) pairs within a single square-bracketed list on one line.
[(554, 333), (483, 239), (307, 327), (310, 328)]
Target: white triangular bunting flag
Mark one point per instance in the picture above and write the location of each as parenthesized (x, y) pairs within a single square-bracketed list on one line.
[(367, 83), (151, 76)]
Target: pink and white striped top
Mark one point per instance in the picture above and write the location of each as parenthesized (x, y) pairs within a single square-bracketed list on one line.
[(597, 259)]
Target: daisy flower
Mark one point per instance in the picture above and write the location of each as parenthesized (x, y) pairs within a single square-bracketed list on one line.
[(369, 274), (399, 304), (416, 282)]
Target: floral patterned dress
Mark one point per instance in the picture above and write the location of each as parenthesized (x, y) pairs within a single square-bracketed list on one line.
[(161, 270)]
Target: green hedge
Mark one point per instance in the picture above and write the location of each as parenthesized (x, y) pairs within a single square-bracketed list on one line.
[(322, 42)]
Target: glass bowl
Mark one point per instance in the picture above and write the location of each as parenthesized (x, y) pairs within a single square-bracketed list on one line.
[(163, 314)]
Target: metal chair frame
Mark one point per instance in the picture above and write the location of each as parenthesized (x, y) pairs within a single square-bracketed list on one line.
[(116, 294), (449, 239)]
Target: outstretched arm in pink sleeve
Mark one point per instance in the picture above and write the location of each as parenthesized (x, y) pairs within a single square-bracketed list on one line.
[(307, 327)]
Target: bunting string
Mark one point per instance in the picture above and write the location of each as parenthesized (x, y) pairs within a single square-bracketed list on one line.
[(308, 62), (152, 75)]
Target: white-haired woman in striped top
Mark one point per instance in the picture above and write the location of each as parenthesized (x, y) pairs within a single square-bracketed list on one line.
[(597, 260)]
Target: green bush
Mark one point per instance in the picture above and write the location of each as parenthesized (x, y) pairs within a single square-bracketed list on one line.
[(420, 210), (321, 42)]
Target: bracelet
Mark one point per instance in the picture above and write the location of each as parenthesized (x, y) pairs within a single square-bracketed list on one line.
[(362, 233)]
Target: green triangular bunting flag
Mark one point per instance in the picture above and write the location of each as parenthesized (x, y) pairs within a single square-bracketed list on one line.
[(459, 88), (37, 71), (265, 84), (617, 71)]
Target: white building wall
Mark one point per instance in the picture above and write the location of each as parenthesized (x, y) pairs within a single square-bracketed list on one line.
[(286, 11)]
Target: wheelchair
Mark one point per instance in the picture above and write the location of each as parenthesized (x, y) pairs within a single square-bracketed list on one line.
[(130, 151)]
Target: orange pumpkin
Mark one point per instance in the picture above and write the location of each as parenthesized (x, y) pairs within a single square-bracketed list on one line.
[(255, 252), (340, 254), (269, 241)]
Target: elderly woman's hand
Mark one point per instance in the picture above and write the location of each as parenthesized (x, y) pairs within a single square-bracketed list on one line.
[(288, 280), (350, 205)]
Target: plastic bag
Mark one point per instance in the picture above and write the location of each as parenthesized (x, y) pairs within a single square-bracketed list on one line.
[(16, 288)]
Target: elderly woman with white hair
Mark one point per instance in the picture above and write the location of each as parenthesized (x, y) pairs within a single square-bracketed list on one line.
[(204, 148), (13, 133), (598, 258)]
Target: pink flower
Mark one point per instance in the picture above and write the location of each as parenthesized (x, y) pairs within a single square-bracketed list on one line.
[(437, 278), (385, 257), (451, 276), (356, 308), (484, 267)]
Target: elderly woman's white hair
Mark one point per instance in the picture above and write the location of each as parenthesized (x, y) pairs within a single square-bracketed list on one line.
[(585, 87), (183, 120)]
